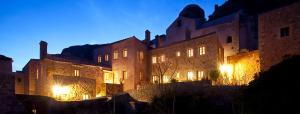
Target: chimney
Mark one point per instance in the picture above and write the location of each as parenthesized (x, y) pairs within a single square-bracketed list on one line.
[(147, 36), (157, 41), (216, 6), (43, 49)]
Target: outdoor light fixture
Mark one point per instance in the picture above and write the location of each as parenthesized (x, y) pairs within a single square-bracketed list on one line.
[(226, 69), (60, 92)]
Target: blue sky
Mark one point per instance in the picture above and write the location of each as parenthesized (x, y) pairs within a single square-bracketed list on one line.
[(63, 23)]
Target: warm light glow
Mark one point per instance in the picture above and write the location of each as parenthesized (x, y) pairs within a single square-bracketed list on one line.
[(178, 53), (190, 52), (166, 79), (60, 92), (190, 75), (226, 69), (153, 59)]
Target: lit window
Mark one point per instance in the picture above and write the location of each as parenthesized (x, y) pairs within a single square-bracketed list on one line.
[(284, 32), (106, 57), (99, 59), (108, 78), (141, 55), (155, 79), (190, 75), (85, 96), (141, 76), (178, 53), (163, 58), (37, 73), (202, 50), (154, 59), (200, 75), (190, 52), (125, 75), (76, 72), (115, 55), (125, 53)]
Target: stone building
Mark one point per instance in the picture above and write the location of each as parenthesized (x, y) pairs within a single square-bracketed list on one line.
[(190, 50), (279, 32), (5, 64)]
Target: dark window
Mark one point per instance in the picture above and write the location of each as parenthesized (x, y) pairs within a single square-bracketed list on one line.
[(284, 32), (229, 39), (178, 23), (19, 80)]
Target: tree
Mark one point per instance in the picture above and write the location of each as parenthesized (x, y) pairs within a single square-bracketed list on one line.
[(214, 75), (162, 68)]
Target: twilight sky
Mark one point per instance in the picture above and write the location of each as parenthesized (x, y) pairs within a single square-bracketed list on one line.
[(63, 23)]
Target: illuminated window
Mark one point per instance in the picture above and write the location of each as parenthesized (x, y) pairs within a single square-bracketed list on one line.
[(190, 75), (115, 55), (190, 52), (76, 72), (125, 75), (106, 57), (85, 96), (141, 76), (202, 50), (37, 73), (200, 75), (155, 79), (99, 59), (178, 53), (284, 32), (108, 78), (163, 58), (141, 55), (154, 59), (125, 53)]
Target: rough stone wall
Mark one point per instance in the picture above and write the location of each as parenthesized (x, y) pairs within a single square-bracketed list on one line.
[(223, 31), (273, 48), (177, 33), (207, 62), (19, 83), (245, 66), (147, 92), (79, 86), (131, 64), (5, 66), (112, 89), (102, 52), (9, 104), (46, 69)]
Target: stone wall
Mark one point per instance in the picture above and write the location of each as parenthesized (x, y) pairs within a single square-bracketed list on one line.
[(5, 66), (183, 64), (19, 82), (78, 86), (146, 92), (245, 67), (9, 104), (111, 89), (273, 47), (132, 64)]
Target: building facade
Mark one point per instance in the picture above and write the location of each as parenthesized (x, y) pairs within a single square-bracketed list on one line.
[(279, 32), (193, 49)]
